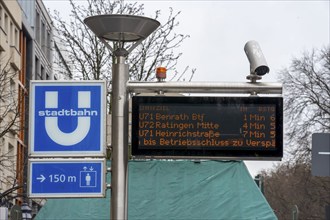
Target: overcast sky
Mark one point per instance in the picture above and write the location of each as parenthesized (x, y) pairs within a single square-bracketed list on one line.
[(219, 30)]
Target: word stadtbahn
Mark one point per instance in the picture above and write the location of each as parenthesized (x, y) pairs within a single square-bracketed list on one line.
[(67, 112)]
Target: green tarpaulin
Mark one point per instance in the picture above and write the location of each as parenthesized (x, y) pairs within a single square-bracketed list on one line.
[(175, 190)]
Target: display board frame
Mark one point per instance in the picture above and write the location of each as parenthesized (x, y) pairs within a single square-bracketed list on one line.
[(257, 149)]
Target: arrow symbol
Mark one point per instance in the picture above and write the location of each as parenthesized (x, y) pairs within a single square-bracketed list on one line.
[(41, 178), (91, 169)]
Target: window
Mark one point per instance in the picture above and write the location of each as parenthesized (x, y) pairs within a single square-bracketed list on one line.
[(12, 92), (10, 150), (37, 27), (16, 38), (37, 69), (0, 16), (43, 73), (43, 37), (11, 156), (48, 45), (12, 87), (6, 24), (11, 35), (2, 142)]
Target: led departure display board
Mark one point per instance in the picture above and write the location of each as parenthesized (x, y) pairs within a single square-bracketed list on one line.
[(207, 127)]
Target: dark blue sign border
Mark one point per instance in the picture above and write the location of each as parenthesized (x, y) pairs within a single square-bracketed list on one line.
[(67, 113), (63, 178)]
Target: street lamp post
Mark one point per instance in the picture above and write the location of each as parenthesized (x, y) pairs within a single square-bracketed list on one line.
[(121, 29)]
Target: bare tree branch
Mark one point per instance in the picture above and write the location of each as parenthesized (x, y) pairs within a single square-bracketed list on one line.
[(9, 103), (91, 60), (290, 184), (307, 99), (306, 111)]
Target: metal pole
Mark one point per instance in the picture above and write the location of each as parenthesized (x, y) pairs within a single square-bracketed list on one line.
[(205, 87), (119, 134), (295, 212)]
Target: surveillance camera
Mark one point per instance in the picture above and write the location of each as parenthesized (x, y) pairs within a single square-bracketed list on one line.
[(258, 64)]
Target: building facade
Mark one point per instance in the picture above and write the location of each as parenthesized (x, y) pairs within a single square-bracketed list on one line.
[(10, 74), (28, 51)]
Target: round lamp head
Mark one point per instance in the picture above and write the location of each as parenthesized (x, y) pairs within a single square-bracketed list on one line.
[(123, 28)]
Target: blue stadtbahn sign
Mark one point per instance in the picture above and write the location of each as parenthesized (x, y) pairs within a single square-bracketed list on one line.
[(64, 178), (67, 118)]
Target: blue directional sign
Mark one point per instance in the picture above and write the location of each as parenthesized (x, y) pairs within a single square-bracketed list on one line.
[(64, 178), (67, 118)]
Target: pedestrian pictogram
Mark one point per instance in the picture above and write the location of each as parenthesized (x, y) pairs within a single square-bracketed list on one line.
[(88, 177)]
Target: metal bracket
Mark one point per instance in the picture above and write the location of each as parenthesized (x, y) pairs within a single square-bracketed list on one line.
[(205, 87)]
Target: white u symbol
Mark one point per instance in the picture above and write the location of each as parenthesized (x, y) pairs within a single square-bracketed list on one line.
[(51, 123)]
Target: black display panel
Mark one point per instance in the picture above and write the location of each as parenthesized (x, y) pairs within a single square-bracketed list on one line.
[(207, 127)]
